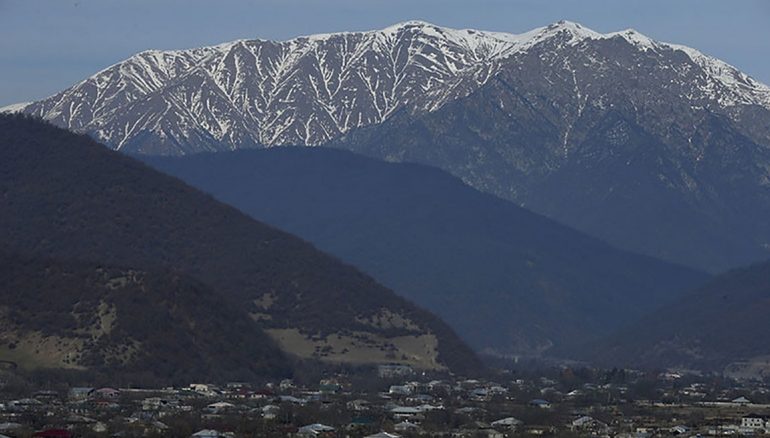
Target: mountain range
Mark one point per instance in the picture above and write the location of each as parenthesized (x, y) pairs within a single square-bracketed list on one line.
[(650, 146), (65, 197), (654, 148), (511, 282)]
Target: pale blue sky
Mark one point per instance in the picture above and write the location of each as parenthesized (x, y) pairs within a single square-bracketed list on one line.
[(47, 45)]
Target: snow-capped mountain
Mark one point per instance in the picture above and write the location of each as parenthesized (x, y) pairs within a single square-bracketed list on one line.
[(310, 90), (255, 92), (653, 147)]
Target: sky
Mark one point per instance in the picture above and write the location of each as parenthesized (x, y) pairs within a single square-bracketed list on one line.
[(48, 45)]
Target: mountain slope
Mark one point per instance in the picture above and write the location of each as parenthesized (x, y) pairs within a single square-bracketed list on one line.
[(627, 139), (653, 147), (128, 324), (509, 281), (722, 325), (66, 196)]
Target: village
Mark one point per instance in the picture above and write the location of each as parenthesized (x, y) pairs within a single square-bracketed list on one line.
[(397, 401)]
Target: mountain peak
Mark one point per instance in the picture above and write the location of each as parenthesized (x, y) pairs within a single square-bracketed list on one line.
[(413, 23), (577, 31), (636, 38), (566, 24)]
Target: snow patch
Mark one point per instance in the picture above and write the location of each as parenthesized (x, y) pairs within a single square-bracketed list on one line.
[(15, 107)]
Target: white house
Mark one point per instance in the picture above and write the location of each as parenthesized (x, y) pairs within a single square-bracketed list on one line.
[(209, 433), (507, 423), (741, 401), (314, 429), (406, 412), (383, 435), (753, 422)]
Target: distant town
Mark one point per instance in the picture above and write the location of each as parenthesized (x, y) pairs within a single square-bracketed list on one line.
[(397, 401)]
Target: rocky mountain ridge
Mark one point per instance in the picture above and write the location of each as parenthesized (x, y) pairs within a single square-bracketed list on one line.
[(310, 90)]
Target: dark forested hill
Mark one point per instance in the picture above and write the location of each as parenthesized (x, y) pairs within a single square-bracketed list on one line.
[(65, 196), (506, 279), (720, 326), (131, 325)]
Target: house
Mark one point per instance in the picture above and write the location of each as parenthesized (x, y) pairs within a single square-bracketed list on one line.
[(497, 390), (753, 422), (420, 398), (587, 423), (479, 429), (329, 386), (439, 386), (400, 390), (237, 385), (540, 403), (383, 435), (219, 407), (24, 405), (390, 371), (46, 395), (741, 401), (156, 427), (479, 394), (428, 408), (9, 427), (539, 430), (105, 393), (262, 394), (208, 433), (204, 389), (291, 399), (358, 405), (679, 430), (80, 392), (105, 405), (467, 410), (406, 426), (315, 429), (270, 411), (406, 413), (507, 423)]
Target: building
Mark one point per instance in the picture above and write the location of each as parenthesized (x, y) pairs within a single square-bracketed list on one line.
[(315, 429), (507, 423), (383, 435), (390, 371), (753, 422), (540, 403)]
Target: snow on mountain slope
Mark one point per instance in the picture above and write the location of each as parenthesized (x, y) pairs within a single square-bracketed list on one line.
[(14, 108), (312, 89), (726, 84)]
